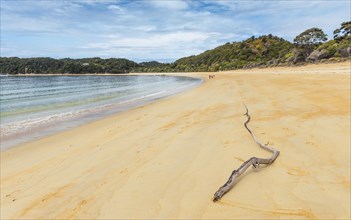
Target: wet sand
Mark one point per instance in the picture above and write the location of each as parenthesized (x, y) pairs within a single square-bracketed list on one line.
[(166, 159)]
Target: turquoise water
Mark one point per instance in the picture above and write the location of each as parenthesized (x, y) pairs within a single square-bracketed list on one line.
[(31, 104)]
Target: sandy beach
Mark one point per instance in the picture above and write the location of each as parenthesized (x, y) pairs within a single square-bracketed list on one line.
[(165, 160)]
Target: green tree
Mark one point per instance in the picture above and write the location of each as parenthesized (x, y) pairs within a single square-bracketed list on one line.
[(309, 40), (343, 31), (311, 37)]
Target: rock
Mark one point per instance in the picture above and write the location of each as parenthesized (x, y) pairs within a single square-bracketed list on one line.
[(345, 52), (272, 62), (298, 58), (252, 65), (317, 55)]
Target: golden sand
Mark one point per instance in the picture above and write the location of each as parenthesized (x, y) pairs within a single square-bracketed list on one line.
[(166, 159)]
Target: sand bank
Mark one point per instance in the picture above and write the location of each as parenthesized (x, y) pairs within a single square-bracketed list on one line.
[(166, 159)]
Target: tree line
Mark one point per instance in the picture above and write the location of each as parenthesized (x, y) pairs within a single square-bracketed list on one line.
[(43, 65), (311, 45)]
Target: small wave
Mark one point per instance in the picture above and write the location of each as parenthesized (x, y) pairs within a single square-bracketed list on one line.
[(50, 118), (27, 125), (142, 97)]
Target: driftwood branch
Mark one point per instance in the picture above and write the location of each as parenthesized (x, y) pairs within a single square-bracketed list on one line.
[(254, 161)]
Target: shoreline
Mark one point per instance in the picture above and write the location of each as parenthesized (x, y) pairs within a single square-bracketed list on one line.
[(82, 116), (166, 159), (89, 74)]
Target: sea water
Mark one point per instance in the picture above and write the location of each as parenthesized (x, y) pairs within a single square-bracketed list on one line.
[(35, 106)]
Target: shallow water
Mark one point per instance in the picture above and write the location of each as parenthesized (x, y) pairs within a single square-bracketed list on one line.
[(34, 106)]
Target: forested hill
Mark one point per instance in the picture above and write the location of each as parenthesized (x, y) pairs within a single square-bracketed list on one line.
[(43, 65), (249, 53), (309, 46)]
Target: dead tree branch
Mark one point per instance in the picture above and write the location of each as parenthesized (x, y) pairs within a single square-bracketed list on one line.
[(254, 161)]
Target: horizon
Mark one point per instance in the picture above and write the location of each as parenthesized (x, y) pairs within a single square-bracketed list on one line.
[(162, 31)]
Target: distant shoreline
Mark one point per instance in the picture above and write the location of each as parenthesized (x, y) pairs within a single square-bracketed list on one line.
[(66, 74), (286, 65)]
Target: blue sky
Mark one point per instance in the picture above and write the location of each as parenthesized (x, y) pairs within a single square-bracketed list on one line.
[(162, 30)]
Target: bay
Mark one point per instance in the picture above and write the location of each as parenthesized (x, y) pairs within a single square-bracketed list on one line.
[(35, 106)]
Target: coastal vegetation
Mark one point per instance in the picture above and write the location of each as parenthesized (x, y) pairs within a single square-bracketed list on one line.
[(42, 65), (311, 45)]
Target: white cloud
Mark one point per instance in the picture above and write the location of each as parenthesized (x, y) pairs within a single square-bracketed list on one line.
[(153, 46), (160, 29), (173, 5), (157, 41), (115, 8), (95, 2)]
